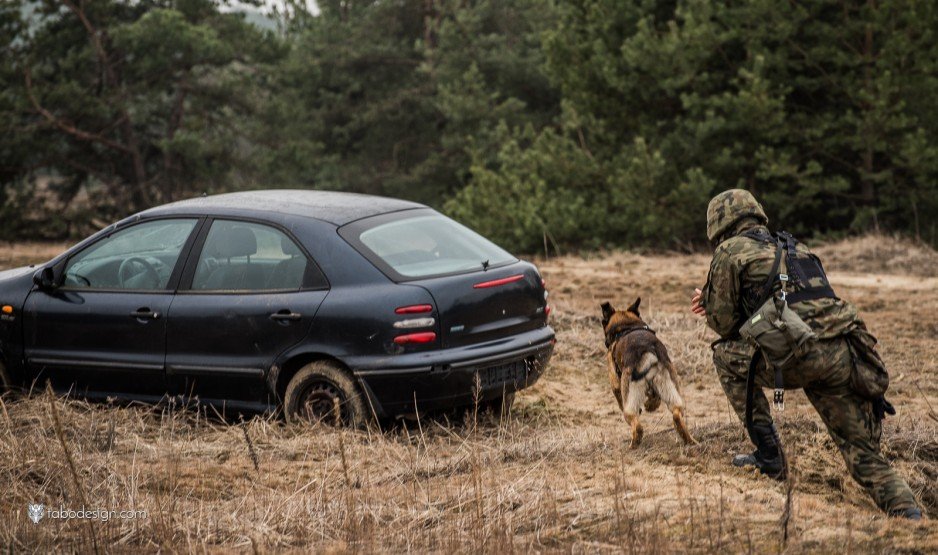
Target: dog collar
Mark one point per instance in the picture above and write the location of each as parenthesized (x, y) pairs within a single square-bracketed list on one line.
[(619, 334)]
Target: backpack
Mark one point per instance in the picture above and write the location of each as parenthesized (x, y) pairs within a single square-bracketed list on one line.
[(774, 328), (784, 338)]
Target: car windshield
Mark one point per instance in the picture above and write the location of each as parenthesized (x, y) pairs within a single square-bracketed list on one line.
[(431, 245)]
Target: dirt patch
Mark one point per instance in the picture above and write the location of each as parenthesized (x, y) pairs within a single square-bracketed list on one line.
[(557, 476)]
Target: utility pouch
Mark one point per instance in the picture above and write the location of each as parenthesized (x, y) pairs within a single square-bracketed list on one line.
[(782, 336), (869, 378)]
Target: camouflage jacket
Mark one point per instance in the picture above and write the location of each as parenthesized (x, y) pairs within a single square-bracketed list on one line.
[(740, 264)]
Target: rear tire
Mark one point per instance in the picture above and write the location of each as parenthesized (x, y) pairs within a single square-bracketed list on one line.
[(313, 392)]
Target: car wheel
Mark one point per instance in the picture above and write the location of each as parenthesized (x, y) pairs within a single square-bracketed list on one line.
[(313, 392)]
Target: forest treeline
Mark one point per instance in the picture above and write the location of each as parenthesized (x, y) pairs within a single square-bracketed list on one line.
[(544, 124)]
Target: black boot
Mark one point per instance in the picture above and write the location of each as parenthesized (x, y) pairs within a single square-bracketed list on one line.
[(768, 456), (912, 513)]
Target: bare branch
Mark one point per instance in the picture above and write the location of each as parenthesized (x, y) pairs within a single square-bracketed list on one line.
[(173, 125), (62, 124), (126, 128), (95, 37)]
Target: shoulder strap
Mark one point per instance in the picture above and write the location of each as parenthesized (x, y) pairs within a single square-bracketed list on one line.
[(773, 273), (759, 294), (766, 290)]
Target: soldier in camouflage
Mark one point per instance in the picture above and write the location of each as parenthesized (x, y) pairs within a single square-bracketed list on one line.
[(741, 265)]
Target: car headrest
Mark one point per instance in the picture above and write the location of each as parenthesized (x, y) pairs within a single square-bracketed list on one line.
[(235, 241), (289, 247)]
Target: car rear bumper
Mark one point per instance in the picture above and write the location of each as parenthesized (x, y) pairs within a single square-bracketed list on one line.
[(449, 378)]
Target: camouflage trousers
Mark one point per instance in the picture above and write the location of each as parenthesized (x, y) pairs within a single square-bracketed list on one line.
[(825, 377)]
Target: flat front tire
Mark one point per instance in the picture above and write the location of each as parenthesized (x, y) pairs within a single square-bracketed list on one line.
[(323, 392)]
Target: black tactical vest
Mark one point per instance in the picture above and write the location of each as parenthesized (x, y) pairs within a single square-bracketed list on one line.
[(806, 277)]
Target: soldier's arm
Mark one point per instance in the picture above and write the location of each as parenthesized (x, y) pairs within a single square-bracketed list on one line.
[(720, 295)]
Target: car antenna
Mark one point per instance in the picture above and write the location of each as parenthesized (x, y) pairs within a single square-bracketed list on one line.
[(485, 265)]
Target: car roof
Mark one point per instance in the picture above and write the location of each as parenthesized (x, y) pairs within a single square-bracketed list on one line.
[(329, 206)]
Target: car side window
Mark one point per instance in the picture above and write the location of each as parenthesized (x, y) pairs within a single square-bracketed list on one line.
[(246, 256), (141, 257)]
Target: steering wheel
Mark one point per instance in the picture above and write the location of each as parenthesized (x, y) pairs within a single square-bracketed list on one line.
[(81, 277), (147, 268)]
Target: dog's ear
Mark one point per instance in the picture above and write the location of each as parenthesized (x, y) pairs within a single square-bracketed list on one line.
[(634, 308), (608, 311)]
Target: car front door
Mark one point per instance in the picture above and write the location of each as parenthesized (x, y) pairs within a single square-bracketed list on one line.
[(103, 331), (249, 292)]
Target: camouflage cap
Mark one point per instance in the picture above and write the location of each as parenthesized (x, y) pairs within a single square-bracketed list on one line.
[(729, 207)]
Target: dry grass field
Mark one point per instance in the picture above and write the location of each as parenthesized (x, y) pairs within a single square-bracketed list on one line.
[(557, 475)]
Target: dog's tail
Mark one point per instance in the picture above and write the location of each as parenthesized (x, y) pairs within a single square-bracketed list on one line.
[(645, 366), (652, 401)]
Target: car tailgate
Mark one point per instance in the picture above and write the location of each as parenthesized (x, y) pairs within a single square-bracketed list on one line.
[(485, 305)]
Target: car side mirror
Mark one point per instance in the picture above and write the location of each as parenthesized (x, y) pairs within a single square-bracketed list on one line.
[(45, 279), (49, 277)]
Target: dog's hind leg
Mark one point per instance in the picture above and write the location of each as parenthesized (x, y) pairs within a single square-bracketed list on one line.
[(614, 379), (633, 405), (681, 426), (667, 390)]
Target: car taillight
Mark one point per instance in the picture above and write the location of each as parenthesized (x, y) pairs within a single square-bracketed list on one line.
[(416, 338), (546, 294), (414, 309)]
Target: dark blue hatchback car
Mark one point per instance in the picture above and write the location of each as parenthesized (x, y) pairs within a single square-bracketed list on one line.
[(317, 303)]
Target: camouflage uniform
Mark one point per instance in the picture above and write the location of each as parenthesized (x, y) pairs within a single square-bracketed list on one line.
[(741, 263)]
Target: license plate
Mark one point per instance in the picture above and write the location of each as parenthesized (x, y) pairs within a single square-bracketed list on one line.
[(514, 372)]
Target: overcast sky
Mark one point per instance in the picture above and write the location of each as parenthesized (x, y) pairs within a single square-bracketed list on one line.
[(311, 4)]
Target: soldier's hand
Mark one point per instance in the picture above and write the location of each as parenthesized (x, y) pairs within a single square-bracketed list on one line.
[(695, 305)]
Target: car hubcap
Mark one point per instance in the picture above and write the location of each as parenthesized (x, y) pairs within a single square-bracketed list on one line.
[(318, 403)]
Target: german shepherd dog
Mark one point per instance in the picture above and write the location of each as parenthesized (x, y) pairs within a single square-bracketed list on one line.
[(640, 370)]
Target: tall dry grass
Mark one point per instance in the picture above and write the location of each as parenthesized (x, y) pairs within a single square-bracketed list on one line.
[(555, 474), (438, 486)]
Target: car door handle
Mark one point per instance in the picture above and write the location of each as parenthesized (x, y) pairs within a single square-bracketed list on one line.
[(286, 314), (145, 314)]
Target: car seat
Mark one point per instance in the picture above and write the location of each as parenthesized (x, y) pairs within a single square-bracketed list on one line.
[(289, 272), (234, 242)]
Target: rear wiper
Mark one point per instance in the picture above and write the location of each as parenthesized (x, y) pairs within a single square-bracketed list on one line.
[(485, 265)]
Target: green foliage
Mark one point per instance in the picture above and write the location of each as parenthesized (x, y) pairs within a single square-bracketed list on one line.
[(391, 97), (815, 106), (560, 124), (129, 103), (535, 195)]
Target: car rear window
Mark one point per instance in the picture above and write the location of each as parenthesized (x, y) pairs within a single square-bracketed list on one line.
[(429, 245)]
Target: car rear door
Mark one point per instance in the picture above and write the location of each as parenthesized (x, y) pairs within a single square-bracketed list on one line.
[(249, 292), (103, 332)]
